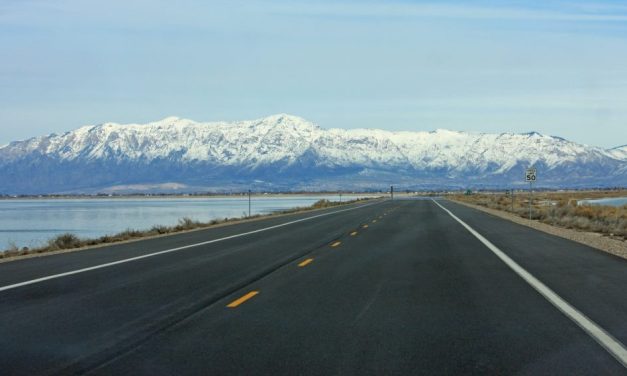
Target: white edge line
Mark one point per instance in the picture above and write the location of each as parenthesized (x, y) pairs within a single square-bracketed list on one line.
[(606, 340), (54, 276)]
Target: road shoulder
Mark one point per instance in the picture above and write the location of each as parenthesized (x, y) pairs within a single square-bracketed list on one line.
[(591, 239)]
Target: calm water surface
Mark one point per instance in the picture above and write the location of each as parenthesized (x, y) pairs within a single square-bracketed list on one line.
[(614, 201), (32, 222)]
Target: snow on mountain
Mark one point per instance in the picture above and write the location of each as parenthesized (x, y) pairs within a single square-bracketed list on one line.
[(619, 152), (288, 152)]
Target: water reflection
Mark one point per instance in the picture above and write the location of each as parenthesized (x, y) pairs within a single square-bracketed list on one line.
[(32, 222)]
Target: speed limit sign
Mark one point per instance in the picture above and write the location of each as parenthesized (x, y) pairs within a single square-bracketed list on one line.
[(530, 175)]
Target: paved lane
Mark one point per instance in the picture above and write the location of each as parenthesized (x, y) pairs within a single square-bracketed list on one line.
[(84, 319), (28, 269), (593, 281), (395, 288)]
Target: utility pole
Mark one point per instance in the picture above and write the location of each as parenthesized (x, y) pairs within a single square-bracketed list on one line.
[(392, 192), (512, 200), (249, 203), (340, 197)]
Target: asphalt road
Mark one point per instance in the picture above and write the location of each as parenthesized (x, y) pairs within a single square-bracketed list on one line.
[(393, 287)]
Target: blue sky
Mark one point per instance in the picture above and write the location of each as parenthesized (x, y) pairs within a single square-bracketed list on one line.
[(558, 68)]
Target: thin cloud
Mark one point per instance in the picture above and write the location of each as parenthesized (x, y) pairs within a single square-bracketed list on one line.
[(452, 11)]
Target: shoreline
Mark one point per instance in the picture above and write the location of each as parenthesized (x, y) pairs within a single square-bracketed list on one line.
[(139, 235), (594, 194), (189, 196)]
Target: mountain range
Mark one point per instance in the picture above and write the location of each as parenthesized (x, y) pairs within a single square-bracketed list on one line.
[(288, 153)]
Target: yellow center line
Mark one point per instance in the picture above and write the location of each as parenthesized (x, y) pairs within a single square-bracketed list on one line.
[(306, 262), (336, 244), (353, 233), (365, 226), (241, 300)]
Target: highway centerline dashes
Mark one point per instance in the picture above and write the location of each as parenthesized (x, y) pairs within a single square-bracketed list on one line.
[(612, 345), (306, 262), (335, 244), (353, 233), (241, 300), (136, 258)]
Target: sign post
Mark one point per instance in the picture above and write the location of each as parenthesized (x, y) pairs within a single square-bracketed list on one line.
[(530, 176), (512, 200), (392, 192), (249, 203)]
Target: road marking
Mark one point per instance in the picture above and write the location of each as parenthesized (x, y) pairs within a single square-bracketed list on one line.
[(609, 343), (305, 263), (336, 244), (54, 276), (374, 221), (365, 226), (241, 300), (353, 233)]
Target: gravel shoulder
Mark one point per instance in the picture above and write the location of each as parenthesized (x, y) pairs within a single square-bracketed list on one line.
[(606, 244)]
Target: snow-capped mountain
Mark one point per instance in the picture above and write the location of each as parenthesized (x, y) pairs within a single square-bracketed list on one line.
[(619, 152), (284, 152)]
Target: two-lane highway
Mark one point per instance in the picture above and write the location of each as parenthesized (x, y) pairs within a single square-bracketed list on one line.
[(393, 287)]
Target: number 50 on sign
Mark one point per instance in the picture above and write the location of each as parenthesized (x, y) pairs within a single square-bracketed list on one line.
[(530, 175)]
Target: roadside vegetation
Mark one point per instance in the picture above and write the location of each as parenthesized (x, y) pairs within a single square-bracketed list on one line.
[(70, 241), (560, 209)]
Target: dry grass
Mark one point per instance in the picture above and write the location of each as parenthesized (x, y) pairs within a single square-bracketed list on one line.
[(70, 241), (560, 209)]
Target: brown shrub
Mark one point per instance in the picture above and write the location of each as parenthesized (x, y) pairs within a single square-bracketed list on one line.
[(560, 209), (64, 241), (323, 203)]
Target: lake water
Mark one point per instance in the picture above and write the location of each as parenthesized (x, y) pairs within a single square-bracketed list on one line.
[(33, 221), (614, 201)]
